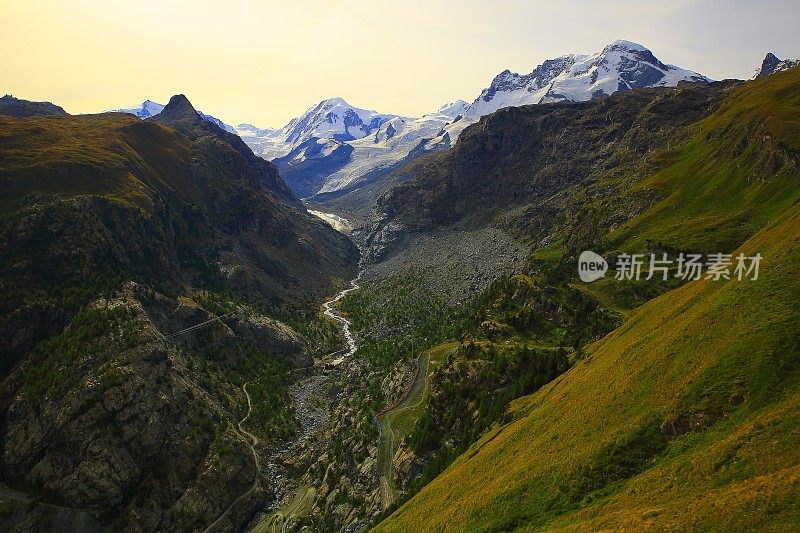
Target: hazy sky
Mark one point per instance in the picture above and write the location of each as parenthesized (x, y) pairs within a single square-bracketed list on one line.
[(265, 62)]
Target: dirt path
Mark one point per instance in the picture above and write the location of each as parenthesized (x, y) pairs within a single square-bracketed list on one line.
[(252, 444), (280, 520)]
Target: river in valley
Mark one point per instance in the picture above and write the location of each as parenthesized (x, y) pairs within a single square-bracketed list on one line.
[(343, 225), (334, 313)]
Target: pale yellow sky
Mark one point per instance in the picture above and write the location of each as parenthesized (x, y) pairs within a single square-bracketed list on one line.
[(266, 62)]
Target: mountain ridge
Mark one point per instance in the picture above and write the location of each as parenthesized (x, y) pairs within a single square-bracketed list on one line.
[(15, 107), (516, 168), (149, 108), (316, 162)]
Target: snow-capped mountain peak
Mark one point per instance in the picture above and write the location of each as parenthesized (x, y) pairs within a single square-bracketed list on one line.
[(622, 44), (333, 118), (146, 109), (620, 66), (396, 140)]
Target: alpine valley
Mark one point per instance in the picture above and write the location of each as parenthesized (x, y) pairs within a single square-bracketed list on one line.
[(367, 321)]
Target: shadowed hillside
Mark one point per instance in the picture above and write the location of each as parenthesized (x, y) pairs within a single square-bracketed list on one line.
[(119, 237)]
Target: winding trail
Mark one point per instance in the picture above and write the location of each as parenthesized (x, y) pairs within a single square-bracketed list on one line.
[(387, 436), (253, 441)]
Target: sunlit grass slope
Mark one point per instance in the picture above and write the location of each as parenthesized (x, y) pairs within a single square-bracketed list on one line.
[(688, 415), (112, 154)]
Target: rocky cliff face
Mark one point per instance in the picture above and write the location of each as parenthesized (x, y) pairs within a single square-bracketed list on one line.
[(511, 168), (132, 426), (182, 116), (773, 64)]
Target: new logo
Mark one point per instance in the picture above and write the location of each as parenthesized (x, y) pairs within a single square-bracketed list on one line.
[(591, 266)]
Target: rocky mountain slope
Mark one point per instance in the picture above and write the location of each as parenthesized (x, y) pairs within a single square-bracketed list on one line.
[(679, 412), (646, 170), (119, 238), (523, 168), (663, 428)]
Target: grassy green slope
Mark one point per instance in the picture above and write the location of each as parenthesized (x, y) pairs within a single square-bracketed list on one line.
[(691, 407), (737, 172), (689, 414)]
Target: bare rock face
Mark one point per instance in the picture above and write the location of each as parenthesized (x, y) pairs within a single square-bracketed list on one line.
[(273, 337), (384, 238), (216, 339), (407, 466), (92, 444), (398, 381), (221, 335)]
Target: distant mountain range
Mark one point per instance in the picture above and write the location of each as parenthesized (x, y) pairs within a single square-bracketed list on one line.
[(316, 154), (315, 145), (620, 66), (335, 147)]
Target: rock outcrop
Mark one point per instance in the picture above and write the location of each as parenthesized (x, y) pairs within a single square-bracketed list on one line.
[(126, 430)]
